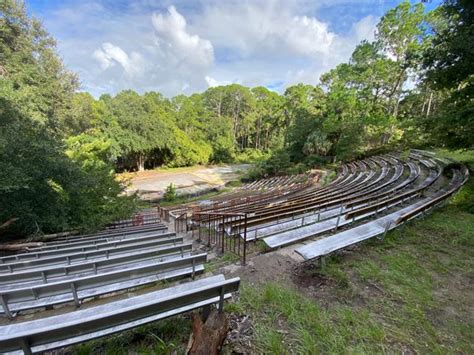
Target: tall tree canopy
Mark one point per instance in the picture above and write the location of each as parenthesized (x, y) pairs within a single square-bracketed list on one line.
[(46, 183), (450, 70)]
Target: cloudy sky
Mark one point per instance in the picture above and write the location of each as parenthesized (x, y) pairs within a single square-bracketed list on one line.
[(185, 46)]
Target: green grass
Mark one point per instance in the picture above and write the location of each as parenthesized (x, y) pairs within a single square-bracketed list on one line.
[(218, 262), (411, 292), (165, 337)]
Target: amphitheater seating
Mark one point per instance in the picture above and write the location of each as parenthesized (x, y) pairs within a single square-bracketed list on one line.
[(365, 200), (356, 214), (73, 249), (362, 191), (80, 257), (50, 273), (15, 298), (82, 325), (73, 268), (380, 225)]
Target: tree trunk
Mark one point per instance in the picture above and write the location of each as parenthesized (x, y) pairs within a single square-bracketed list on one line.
[(397, 90), (429, 105), (141, 162), (207, 338), (20, 246), (8, 223)]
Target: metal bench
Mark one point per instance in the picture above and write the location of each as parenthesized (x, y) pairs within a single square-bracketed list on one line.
[(87, 324), (100, 240), (167, 239), (77, 289), (50, 273), (381, 225), (112, 232), (77, 258)]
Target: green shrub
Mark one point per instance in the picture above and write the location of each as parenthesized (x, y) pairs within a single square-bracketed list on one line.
[(170, 193), (250, 155)]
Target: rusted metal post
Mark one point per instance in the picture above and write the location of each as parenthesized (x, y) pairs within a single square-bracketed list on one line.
[(245, 238), (209, 231), (223, 237)]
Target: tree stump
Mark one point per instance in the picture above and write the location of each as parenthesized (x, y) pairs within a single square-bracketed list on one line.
[(207, 337)]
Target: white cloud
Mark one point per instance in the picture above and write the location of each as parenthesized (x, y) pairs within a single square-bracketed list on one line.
[(109, 54), (211, 82), (181, 47), (166, 58), (273, 43), (308, 36), (365, 28), (189, 47), (263, 29)]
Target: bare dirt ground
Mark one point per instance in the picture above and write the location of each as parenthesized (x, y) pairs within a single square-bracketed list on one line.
[(151, 184)]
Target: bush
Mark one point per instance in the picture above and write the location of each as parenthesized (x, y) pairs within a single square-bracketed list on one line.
[(250, 155), (170, 193)]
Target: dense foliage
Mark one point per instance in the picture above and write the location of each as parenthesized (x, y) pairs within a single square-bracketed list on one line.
[(411, 86), (48, 181)]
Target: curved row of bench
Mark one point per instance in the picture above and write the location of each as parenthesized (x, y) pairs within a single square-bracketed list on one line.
[(362, 191)]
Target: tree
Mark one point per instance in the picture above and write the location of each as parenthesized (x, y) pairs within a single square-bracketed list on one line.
[(448, 62), (32, 75), (142, 126), (400, 34), (304, 107), (43, 186)]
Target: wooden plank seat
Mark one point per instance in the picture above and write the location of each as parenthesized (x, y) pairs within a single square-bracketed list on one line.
[(321, 206), (314, 217), (413, 176), (312, 230), (80, 288), (275, 209)]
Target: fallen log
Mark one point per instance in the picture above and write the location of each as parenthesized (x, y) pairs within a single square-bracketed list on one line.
[(20, 246), (8, 223), (208, 337)]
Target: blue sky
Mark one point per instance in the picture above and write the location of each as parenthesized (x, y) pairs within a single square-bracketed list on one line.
[(184, 46)]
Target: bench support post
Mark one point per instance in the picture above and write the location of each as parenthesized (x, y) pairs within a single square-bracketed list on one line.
[(387, 227), (25, 346), (221, 301), (4, 303), (206, 310), (74, 294), (322, 262)]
